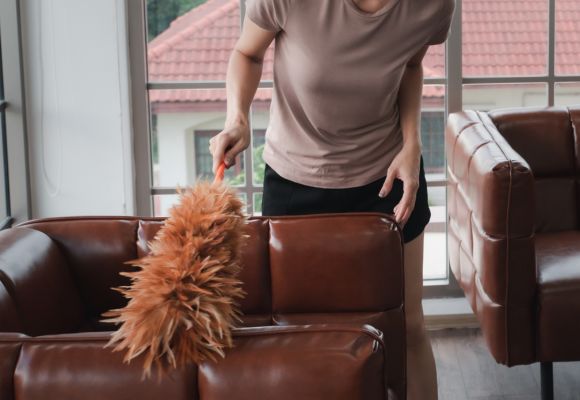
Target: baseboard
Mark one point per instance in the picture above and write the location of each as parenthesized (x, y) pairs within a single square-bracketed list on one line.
[(447, 313)]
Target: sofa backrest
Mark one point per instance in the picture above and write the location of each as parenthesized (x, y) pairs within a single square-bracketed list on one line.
[(290, 264), (549, 140)]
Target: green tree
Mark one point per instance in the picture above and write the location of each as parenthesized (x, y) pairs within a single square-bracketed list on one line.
[(160, 13)]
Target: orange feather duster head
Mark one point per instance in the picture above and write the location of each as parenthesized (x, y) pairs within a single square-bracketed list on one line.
[(182, 301)]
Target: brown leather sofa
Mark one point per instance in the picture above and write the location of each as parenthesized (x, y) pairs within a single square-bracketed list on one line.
[(514, 229), (323, 317)]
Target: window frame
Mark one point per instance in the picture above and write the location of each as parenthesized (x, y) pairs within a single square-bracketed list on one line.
[(14, 155), (453, 81)]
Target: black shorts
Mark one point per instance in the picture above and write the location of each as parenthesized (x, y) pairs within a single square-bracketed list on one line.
[(284, 197)]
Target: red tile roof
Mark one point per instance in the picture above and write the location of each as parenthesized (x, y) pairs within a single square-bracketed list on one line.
[(501, 37)]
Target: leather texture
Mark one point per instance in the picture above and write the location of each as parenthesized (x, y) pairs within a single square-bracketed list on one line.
[(324, 304), (513, 227)]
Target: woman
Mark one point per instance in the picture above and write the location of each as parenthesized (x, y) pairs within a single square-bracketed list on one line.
[(344, 130)]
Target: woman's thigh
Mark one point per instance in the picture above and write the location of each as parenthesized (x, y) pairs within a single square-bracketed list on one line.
[(413, 256)]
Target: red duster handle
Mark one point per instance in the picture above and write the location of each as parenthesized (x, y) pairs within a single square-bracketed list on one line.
[(219, 175)]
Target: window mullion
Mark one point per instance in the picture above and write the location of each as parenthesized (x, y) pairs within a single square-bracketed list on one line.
[(15, 155), (453, 65), (551, 50), (140, 107)]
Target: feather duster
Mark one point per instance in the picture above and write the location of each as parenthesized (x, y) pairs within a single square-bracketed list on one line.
[(182, 301)]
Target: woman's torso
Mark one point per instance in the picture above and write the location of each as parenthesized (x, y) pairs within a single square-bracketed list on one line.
[(334, 118)]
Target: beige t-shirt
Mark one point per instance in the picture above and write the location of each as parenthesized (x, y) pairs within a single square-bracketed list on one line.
[(334, 117)]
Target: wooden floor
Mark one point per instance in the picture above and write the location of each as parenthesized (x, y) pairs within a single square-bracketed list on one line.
[(466, 371)]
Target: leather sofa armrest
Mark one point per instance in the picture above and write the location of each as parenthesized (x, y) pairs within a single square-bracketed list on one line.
[(496, 183), (284, 362), (491, 232), (37, 290), (9, 319)]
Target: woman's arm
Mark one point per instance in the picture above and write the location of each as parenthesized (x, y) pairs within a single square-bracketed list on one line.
[(243, 76), (406, 165)]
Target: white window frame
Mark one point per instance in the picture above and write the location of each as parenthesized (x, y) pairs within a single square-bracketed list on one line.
[(13, 149)]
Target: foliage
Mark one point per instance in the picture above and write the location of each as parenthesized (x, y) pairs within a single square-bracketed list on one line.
[(259, 165), (258, 169), (160, 13)]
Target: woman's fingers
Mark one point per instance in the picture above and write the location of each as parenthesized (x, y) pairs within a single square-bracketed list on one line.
[(227, 144), (218, 147), (388, 184), (405, 207), (236, 149)]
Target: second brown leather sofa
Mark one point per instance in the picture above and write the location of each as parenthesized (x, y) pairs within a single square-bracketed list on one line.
[(514, 229)]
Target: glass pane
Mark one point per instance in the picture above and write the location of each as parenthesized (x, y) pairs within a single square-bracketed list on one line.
[(260, 120), (432, 128), (485, 97), (244, 198), (503, 38), (567, 37), (435, 246), (162, 203), (566, 94), (182, 122), (432, 138), (257, 204), (191, 39), (434, 62)]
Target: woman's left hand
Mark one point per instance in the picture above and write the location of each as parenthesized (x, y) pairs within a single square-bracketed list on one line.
[(406, 167)]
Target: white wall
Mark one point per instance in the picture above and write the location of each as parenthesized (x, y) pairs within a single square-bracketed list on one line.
[(76, 76)]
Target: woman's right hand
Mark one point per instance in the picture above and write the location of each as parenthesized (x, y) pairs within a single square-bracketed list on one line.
[(227, 144)]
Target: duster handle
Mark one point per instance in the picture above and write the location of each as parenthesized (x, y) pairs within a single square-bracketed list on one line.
[(219, 175)]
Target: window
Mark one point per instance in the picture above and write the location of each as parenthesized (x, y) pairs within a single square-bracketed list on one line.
[(498, 54)]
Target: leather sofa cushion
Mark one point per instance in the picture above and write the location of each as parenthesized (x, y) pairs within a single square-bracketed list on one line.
[(558, 263), (361, 267), (324, 362), (76, 366)]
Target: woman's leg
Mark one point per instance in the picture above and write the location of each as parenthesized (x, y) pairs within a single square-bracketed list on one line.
[(421, 373)]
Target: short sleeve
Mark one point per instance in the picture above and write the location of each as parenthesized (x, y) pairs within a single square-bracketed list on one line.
[(268, 14), (442, 32)]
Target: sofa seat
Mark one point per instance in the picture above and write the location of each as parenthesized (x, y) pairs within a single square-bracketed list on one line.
[(558, 263), (285, 363)]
